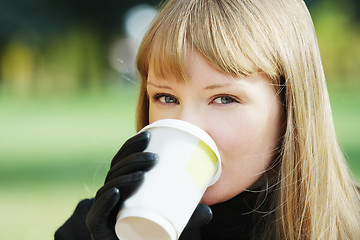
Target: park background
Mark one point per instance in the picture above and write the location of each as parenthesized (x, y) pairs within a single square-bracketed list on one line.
[(67, 98)]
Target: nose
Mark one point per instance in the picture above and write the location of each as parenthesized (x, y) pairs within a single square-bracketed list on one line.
[(192, 115), (196, 116)]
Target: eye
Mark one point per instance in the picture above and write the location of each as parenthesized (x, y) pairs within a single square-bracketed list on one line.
[(225, 100), (165, 98)]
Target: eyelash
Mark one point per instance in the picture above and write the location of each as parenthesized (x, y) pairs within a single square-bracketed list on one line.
[(157, 96), (232, 99)]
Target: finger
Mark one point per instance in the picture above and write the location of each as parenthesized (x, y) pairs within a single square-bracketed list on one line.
[(127, 184), (97, 218), (142, 161), (138, 143), (201, 216)]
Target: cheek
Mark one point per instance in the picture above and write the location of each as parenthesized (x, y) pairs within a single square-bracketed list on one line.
[(158, 113), (235, 139), (152, 115), (248, 136), (246, 147), (242, 147), (155, 114)]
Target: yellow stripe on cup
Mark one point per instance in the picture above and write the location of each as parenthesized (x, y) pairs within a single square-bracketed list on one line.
[(201, 164)]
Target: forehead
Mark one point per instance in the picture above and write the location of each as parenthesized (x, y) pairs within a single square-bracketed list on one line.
[(214, 30), (192, 66), (201, 73), (191, 62), (177, 33)]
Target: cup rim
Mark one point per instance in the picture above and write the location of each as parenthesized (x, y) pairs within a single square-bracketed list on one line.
[(150, 217), (195, 131)]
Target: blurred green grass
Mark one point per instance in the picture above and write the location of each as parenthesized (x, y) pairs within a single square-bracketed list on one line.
[(56, 151), (346, 112)]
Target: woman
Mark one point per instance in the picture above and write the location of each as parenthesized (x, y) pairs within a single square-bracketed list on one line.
[(249, 73)]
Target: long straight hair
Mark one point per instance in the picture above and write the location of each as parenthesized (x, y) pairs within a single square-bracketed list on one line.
[(314, 196)]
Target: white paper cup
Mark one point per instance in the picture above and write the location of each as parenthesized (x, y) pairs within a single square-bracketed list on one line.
[(189, 162)]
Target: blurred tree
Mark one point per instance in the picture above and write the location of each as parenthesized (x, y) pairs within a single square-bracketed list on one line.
[(19, 67), (66, 42), (338, 34), (43, 17), (75, 36)]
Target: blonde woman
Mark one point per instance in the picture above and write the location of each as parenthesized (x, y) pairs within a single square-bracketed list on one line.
[(249, 73)]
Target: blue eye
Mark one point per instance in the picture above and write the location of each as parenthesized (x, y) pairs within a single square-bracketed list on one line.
[(165, 98), (224, 100)]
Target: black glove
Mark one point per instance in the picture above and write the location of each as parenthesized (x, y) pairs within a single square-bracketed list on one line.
[(201, 216), (123, 179)]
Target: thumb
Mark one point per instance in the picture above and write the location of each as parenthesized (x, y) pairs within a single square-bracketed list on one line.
[(201, 216), (98, 219)]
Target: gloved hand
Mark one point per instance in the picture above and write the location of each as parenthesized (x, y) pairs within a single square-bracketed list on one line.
[(124, 177), (201, 216)]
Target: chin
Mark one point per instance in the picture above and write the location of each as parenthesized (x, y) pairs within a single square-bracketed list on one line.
[(206, 201), (211, 197)]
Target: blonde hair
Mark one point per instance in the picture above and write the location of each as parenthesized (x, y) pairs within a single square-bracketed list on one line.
[(314, 196)]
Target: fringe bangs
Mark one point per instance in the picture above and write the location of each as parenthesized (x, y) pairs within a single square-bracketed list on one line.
[(207, 27)]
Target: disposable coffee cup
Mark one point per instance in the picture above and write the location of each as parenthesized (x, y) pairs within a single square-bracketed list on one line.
[(189, 162)]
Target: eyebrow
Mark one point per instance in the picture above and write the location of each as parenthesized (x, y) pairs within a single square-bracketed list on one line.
[(210, 87), (158, 86), (215, 86)]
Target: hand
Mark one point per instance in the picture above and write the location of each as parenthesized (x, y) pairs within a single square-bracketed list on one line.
[(124, 177), (201, 216)]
